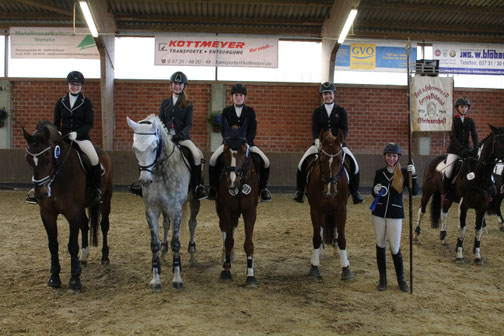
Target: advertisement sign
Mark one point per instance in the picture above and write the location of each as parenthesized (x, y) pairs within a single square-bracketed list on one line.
[(431, 103), (372, 57), (38, 42), (470, 59), (210, 50)]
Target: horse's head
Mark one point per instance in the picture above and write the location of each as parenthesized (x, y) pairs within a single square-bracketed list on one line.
[(147, 145), (236, 157), (331, 161), (43, 153)]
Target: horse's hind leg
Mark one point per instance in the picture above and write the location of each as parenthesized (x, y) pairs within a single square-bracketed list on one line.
[(195, 207), (462, 229), (426, 195), (249, 219), (175, 246), (152, 219), (105, 225), (480, 221), (73, 249), (443, 218), (164, 244), (339, 225), (84, 228), (52, 235)]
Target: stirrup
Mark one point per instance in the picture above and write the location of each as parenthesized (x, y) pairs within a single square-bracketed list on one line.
[(200, 192), (357, 198), (299, 196), (30, 198)]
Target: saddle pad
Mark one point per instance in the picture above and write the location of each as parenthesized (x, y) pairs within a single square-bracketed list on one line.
[(441, 166)]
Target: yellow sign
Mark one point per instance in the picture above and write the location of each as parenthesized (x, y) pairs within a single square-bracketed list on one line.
[(362, 56)]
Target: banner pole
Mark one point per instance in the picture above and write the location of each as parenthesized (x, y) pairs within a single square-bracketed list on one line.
[(410, 161)]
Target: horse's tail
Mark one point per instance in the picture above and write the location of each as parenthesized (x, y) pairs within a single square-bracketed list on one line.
[(94, 214), (435, 209), (329, 229)]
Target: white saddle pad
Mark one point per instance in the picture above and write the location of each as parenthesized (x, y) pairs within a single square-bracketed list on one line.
[(441, 166)]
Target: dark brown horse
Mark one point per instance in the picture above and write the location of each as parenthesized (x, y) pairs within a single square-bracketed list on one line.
[(237, 196), (327, 192), (495, 206), (472, 188), (60, 188)]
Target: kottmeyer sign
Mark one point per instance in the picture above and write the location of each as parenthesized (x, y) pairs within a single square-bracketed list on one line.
[(216, 51)]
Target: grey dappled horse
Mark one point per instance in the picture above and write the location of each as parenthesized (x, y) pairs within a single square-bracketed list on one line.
[(165, 177)]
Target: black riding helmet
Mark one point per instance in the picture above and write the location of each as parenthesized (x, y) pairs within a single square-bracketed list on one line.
[(239, 88), (75, 77), (178, 77), (327, 87), (392, 147), (462, 101)]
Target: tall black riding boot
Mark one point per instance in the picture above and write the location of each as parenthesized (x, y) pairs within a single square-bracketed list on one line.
[(96, 181), (212, 176), (354, 188), (382, 268), (263, 182), (300, 186), (398, 264), (200, 192)]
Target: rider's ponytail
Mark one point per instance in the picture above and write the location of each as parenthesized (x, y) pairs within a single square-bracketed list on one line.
[(398, 178), (184, 100)]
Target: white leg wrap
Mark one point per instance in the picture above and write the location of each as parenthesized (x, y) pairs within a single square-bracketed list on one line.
[(84, 254), (250, 270), (155, 278), (176, 275), (459, 253), (315, 259), (343, 258), (444, 216)]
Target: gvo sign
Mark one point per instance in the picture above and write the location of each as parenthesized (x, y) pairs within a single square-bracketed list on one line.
[(363, 51)]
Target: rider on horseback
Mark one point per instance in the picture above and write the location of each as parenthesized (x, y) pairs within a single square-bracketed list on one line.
[(325, 117), (463, 126), (237, 115), (74, 117)]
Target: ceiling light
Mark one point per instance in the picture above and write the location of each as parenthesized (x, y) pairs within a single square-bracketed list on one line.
[(89, 18), (348, 24)]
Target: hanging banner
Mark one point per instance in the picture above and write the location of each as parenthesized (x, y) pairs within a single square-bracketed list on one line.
[(431, 104), (38, 42), (372, 57), (209, 50), (470, 59)]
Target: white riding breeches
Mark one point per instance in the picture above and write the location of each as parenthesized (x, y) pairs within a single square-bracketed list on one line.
[(87, 147), (450, 162), (388, 228), (195, 151), (253, 149), (349, 153)]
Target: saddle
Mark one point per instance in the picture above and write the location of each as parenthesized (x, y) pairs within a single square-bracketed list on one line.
[(85, 164)]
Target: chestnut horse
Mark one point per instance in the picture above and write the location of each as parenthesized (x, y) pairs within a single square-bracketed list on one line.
[(327, 192), (473, 188), (61, 188), (237, 195)]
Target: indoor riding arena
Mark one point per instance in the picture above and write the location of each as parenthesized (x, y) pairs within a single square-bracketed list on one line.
[(396, 72)]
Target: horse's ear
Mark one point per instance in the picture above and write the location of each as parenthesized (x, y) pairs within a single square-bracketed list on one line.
[(494, 129), (46, 133), (133, 125), (28, 137)]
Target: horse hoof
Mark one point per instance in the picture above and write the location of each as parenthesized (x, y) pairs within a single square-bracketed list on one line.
[(442, 235), (346, 274), (478, 261), (459, 260), (105, 261), (75, 284), (54, 281), (314, 273), (193, 261), (226, 275), (156, 287), (251, 282), (83, 263), (177, 285)]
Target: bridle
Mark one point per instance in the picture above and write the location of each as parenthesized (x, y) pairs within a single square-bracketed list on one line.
[(332, 179), (159, 150), (241, 173)]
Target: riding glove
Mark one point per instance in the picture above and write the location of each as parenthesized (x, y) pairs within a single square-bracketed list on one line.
[(72, 135)]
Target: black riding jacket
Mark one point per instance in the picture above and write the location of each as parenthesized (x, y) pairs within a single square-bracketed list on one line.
[(338, 120), (391, 204), (177, 117), (78, 118), (459, 137), (248, 113)]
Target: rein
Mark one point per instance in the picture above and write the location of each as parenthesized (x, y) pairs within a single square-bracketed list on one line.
[(242, 174), (332, 179)]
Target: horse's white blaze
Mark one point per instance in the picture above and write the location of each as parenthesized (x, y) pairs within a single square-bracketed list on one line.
[(232, 175), (250, 270), (176, 275), (84, 254), (315, 258), (343, 258)]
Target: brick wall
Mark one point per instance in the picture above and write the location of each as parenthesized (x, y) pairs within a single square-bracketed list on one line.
[(377, 114)]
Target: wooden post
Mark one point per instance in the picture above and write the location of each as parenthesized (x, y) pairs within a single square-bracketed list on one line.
[(410, 161)]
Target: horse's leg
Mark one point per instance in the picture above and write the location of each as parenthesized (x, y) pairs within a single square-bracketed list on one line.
[(75, 222), (426, 195), (317, 219), (444, 216), (195, 207), (480, 221), (84, 229), (105, 225), (249, 218), (227, 223), (339, 225), (500, 220), (164, 243), (152, 216), (176, 218), (51, 228), (224, 233), (462, 229)]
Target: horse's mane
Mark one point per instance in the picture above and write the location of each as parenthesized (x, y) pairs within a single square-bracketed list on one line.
[(485, 139)]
